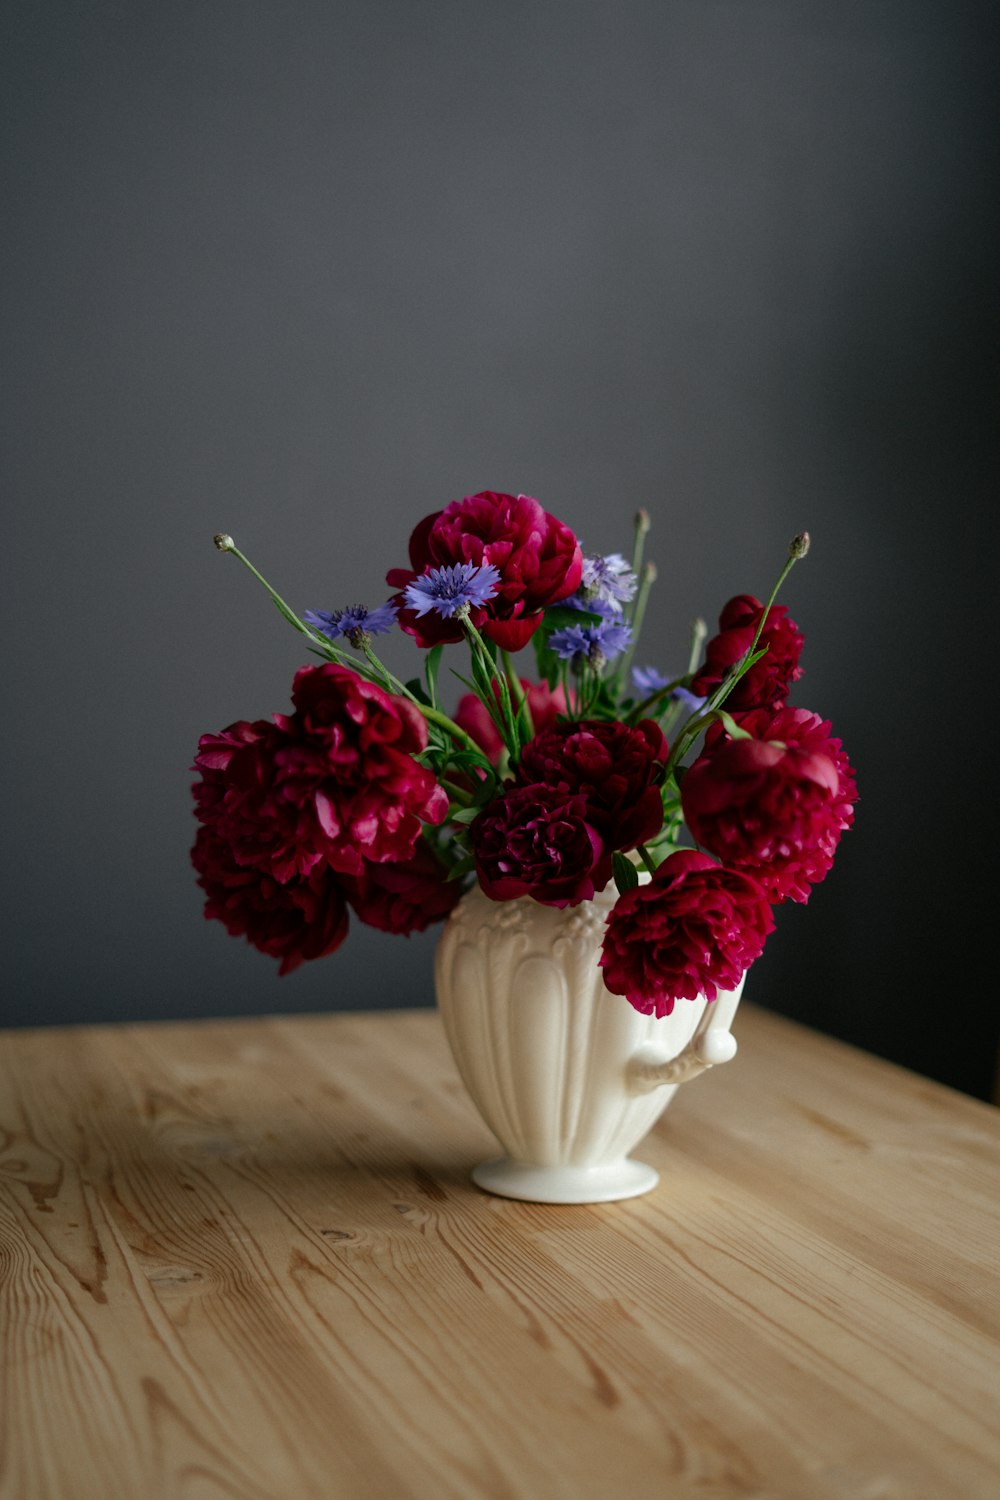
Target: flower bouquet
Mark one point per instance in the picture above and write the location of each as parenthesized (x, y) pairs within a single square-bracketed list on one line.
[(569, 784)]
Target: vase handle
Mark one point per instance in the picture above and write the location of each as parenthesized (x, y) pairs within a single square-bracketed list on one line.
[(712, 1043)]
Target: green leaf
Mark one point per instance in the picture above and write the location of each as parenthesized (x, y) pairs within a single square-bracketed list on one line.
[(546, 661), (288, 615), (465, 815), (625, 873), (731, 727)]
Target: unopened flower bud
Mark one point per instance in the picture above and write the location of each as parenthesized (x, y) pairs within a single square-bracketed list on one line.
[(642, 522), (799, 545), (223, 542), (649, 572)]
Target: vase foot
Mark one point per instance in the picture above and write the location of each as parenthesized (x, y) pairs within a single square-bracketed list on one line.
[(607, 1184)]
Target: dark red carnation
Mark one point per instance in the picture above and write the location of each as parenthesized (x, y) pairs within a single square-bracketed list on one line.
[(615, 766), (767, 683), (472, 715), (405, 896), (241, 797), (536, 841), (538, 557), (776, 804), (300, 918), (693, 930)]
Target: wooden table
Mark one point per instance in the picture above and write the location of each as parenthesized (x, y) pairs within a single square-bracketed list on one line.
[(244, 1259)]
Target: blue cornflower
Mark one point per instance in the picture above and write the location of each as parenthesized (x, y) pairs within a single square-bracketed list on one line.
[(452, 590), (353, 623), (593, 643), (691, 701), (605, 585), (608, 609), (648, 680)]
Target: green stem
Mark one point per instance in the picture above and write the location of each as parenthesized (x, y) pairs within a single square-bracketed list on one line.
[(435, 716), (374, 672), (646, 580), (638, 547), (694, 727), (642, 709), (508, 730), (456, 793), (392, 683), (283, 608), (647, 859), (517, 693)]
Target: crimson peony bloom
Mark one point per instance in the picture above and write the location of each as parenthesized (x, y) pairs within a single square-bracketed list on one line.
[(536, 841), (404, 896), (241, 798), (350, 772), (693, 930), (615, 766), (472, 715), (334, 783), (767, 684), (301, 918), (538, 559), (774, 805)]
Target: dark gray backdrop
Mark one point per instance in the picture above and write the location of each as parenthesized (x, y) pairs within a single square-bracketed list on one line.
[(306, 271)]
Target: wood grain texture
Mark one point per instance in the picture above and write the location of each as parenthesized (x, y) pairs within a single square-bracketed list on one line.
[(244, 1259)]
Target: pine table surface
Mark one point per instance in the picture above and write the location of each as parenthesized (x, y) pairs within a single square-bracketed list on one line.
[(244, 1259)]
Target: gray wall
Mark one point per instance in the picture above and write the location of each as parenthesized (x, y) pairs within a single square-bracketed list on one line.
[(306, 271)]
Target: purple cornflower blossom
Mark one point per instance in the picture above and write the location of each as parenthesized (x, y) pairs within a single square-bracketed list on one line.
[(452, 590), (691, 701), (592, 643), (354, 623), (607, 583), (647, 680)]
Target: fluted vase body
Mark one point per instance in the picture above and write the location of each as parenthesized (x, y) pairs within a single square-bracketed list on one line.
[(568, 1076)]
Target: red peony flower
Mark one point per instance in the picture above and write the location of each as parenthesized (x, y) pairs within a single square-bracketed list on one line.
[(300, 918), (538, 557), (774, 805), (241, 798), (766, 685), (472, 715), (350, 771), (405, 896), (615, 766), (693, 930), (536, 841), (333, 784)]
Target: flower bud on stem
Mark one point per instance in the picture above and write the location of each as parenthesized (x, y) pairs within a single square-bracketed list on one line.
[(699, 630), (642, 524)]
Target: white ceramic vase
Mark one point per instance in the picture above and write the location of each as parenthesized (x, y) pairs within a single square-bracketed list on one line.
[(568, 1076)]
